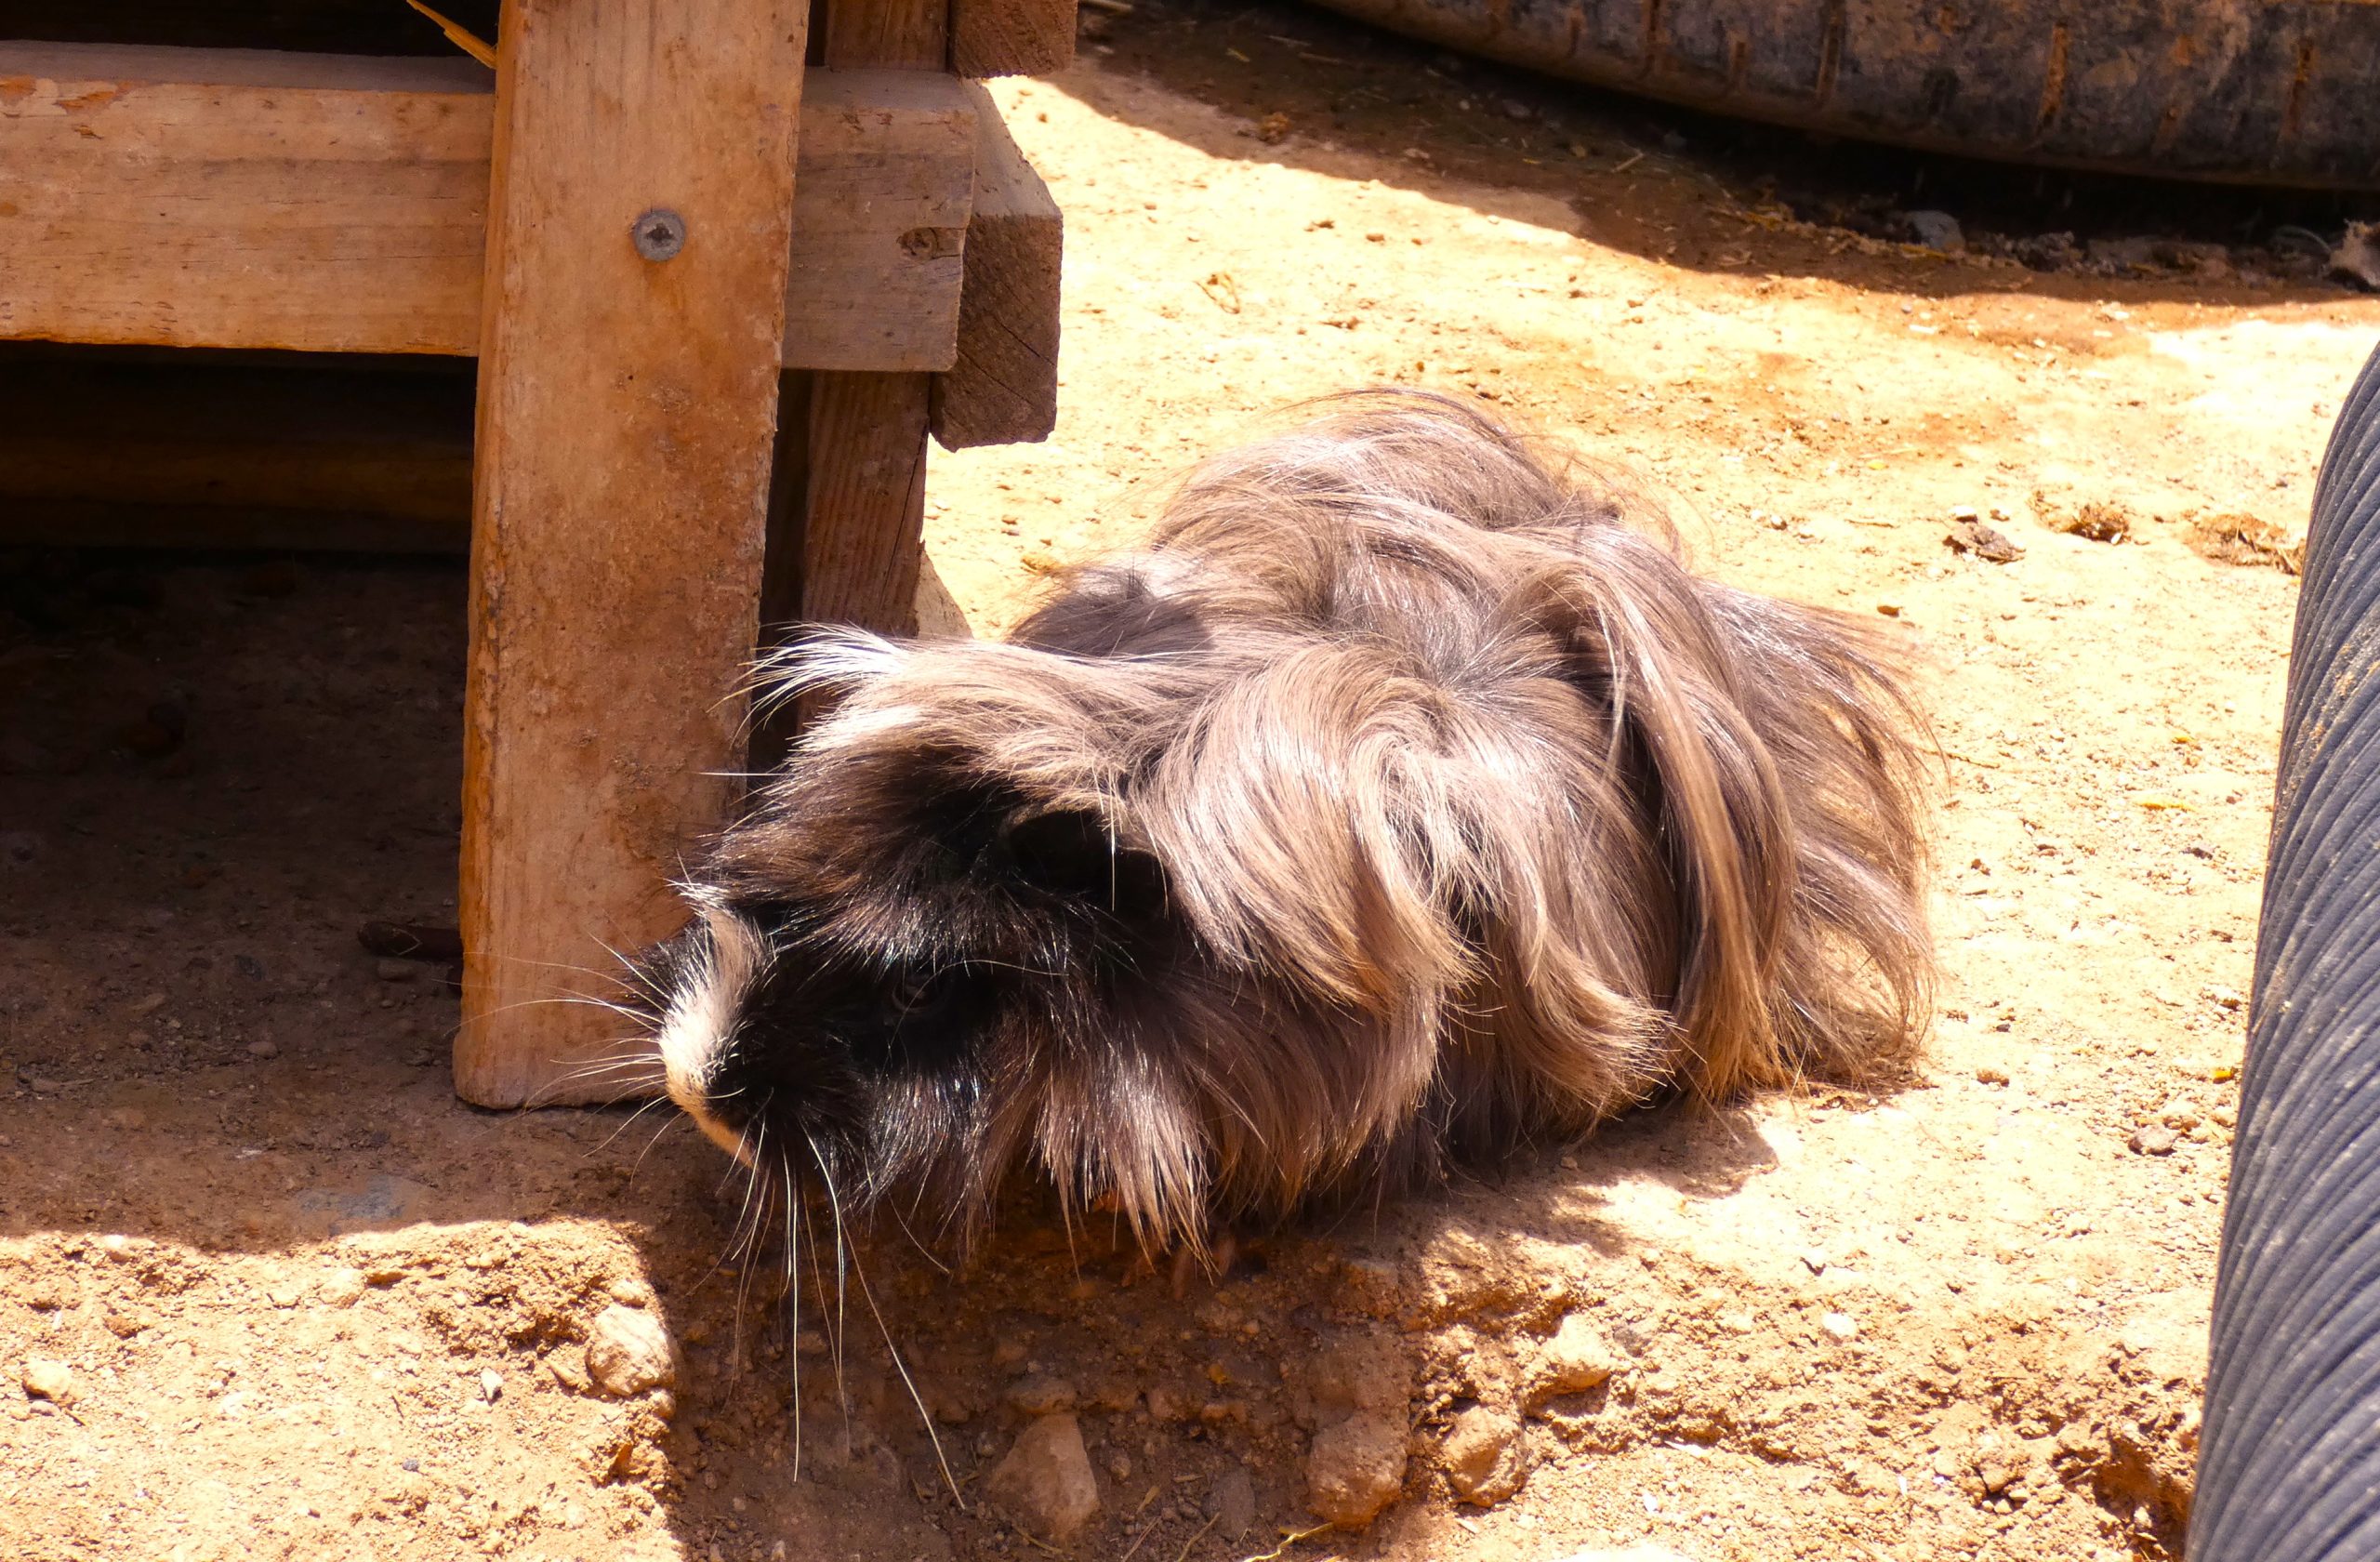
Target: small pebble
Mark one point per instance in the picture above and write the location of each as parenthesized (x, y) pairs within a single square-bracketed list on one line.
[(51, 1381), (341, 1287), (1046, 1482), (1041, 1395), (1483, 1456), (394, 970), (627, 1352), (1937, 229), (1988, 1075), (2153, 1139), (491, 1386), (264, 1049), (1842, 1326)]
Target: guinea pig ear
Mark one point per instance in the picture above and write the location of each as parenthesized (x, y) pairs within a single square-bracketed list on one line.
[(1075, 853)]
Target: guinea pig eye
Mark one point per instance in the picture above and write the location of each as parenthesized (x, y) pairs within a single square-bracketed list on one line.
[(922, 991)]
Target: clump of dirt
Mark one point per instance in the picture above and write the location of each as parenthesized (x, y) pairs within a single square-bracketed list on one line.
[(2092, 520), (2245, 540)]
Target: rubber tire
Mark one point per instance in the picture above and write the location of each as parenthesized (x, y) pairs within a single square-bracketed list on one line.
[(2289, 1465)]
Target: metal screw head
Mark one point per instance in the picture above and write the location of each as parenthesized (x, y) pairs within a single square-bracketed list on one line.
[(659, 235)]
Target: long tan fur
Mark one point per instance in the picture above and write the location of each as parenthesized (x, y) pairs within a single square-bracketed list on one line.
[(1472, 815)]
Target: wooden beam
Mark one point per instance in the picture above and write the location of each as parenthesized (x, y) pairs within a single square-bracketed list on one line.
[(899, 35), (1003, 390), (1012, 37), (848, 524), (99, 451), (639, 237), (247, 199), (866, 489)]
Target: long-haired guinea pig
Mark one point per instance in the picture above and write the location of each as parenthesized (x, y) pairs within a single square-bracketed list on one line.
[(1402, 801)]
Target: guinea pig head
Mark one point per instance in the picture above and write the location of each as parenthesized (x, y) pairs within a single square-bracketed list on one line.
[(904, 956)]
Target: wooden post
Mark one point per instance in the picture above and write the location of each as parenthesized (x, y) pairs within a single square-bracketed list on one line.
[(639, 231), (847, 525)]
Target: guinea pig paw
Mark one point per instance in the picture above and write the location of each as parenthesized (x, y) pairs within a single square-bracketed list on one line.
[(1212, 1260)]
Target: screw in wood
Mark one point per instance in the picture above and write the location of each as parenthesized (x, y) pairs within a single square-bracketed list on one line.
[(659, 235)]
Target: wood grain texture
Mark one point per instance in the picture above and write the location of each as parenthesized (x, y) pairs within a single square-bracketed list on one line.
[(864, 532), (1004, 387), (1012, 37), (100, 452), (901, 35), (242, 199), (881, 220), (852, 497), (627, 408)]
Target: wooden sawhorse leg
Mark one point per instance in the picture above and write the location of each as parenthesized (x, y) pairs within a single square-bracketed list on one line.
[(639, 231)]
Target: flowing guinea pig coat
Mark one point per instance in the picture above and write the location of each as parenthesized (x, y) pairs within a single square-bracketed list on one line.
[(1402, 799)]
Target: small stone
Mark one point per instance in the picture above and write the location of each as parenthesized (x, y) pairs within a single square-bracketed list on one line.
[(627, 1352), (120, 1249), (491, 1385), (1041, 1393), (1046, 1482), (285, 1295), (629, 1293), (124, 1326), (263, 1049), (2356, 258), (1516, 111), (341, 1287), (1483, 1455), (1889, 609), (1989, 1074), (1937, 229), (1234, 1502), (2153, 1139), (395, 970), (1842, 1326), (1356, 1468), (1574, 1358), (1986, 542), (52, 1381)]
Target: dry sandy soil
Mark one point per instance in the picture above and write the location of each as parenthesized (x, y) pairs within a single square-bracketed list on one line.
[(275, 1294)]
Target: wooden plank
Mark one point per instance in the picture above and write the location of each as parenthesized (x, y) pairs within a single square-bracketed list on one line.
[(628, 399), (99, 451), (865, 528), (880, 221), (1012, 37), (245, 199), (1003, 390), (902, 35), (850, 506)]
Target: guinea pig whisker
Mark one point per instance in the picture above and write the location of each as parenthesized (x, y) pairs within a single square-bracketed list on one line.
[(630, 1123), (658, 1133), (923, 1251), (835, 1205), (793, 1301), (867, 1294)]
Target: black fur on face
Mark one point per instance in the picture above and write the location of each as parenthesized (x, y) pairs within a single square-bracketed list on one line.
[(861, 997), (1403, 798)]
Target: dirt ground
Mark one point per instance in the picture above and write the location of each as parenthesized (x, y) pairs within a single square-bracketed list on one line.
[(270, 1291)]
